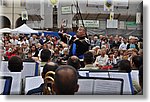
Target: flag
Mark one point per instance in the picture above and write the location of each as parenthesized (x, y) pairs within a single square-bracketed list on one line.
[(138, 17), (64, 22), (24, 15), (108, 5), (111, 15), (53, 2)]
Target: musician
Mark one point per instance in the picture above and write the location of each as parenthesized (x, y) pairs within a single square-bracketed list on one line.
[(50, 66), (66, 80)]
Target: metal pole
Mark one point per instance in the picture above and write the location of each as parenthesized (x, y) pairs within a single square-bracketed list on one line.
[(78, 10), (12, 14)]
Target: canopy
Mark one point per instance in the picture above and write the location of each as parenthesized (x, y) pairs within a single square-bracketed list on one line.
[(5, 30), (24, 29)]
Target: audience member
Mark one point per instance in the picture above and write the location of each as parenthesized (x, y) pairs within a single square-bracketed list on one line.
[(88, 61), (123, 45), (111, 60), (132, 43), (116, 43), (33, 40), (101, 59), (29, 58), (45, 56), (95, 42), (75, 50), (34, 50)]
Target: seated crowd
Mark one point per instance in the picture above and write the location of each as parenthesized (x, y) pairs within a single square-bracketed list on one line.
[(105, 53)]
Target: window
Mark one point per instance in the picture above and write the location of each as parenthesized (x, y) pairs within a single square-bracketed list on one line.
[(23, 3), (3, 2)]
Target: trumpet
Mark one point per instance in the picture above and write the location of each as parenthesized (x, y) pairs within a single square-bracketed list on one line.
[(49, 80)]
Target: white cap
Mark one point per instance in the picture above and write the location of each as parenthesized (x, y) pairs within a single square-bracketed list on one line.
[(97, 46), (136, 38), (131, 37)]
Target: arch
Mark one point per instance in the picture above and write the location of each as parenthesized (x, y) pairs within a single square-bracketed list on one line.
[(4, 22), (19, 22)]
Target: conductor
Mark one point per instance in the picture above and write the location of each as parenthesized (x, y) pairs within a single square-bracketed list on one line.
[(80, 44)]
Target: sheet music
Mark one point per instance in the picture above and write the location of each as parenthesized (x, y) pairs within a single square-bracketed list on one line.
[(33, 82), (2, 85), (135, 76), (16, 82), (99, 74), (28, 68), (124, 76), (41, 70), (4, 66), (85, 86), (107, 87), (99, 87), (83, 73)]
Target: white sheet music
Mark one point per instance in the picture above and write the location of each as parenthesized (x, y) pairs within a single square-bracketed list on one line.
[(4, 66), (16, 82), (85, 86), (99, 87), (28, 68), (32, 82), (2, 85), (99, 74), (107, 87), (124, 76), (41, 70), (83, 73), (135, 76)]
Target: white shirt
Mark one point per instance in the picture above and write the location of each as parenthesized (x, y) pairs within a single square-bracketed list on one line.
[(14, 42), (101, 60), (20, 43), (26, 42), (114, 61), (123, 46)]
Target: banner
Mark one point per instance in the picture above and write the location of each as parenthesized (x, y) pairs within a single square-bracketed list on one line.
[(138, 18), (89, 23), (24, 15), (66, 10), (112, 23), (108, 5), (111, 15)]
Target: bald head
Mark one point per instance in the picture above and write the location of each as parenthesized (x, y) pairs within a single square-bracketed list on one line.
[(66, 80), (74, 62), (50, 66)]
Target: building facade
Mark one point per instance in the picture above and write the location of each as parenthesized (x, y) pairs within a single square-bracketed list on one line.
[(39, 13), (10, 13), (72, 13)]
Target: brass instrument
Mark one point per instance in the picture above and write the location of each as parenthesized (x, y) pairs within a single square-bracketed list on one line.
[(49, 80)]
